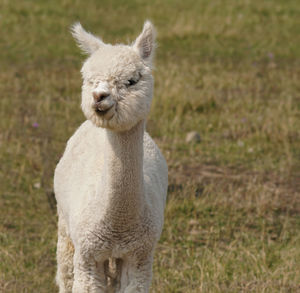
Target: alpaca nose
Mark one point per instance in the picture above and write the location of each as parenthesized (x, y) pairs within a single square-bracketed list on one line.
[(99, 96)]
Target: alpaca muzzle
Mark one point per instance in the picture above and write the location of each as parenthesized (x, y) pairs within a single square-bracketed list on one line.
[(105, 107)]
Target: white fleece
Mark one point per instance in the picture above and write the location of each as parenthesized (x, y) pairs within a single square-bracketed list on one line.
[(111, 182)]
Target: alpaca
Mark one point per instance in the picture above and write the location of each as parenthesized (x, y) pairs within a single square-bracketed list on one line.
[(111, 182)]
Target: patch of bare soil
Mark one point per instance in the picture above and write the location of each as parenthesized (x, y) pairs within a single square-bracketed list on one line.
[(286, 190)]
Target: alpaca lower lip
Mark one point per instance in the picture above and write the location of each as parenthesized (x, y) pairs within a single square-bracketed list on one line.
[(103, 112), (107, 113)]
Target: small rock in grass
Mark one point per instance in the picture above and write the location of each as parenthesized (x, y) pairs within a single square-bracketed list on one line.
[(37, 185), (193, 137)]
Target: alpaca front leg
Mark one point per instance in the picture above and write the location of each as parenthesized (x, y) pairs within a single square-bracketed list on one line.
[(65, 253), (140, 275), (89, 276)]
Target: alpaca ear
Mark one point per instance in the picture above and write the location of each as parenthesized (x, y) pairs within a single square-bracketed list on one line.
[(145, 42), (87, 42)]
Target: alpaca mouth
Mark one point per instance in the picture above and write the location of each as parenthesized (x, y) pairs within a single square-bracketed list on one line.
[(105, 113), (102, 112)]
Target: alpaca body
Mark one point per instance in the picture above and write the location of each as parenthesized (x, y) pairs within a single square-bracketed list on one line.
[(85, 201), (111, 182), (97, 229)]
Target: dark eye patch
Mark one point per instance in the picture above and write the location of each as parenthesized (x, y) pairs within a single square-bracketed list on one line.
[(132, 82)]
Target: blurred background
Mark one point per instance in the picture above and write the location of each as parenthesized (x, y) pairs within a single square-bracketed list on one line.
[(225, 115)]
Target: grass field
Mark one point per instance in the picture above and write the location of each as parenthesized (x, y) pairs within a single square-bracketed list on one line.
[(229, 70)]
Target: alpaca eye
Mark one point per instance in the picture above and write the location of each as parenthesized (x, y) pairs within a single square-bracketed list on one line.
[(131, 82)]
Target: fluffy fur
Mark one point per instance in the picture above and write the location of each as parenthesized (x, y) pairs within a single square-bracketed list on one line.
[(111, 182)]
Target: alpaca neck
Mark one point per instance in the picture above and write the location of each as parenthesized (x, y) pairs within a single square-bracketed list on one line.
[(124, 175)]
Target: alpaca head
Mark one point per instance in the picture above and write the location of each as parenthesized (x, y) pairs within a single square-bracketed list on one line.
[(117, 81)]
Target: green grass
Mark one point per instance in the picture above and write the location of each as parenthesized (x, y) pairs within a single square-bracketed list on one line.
[(227, 69)]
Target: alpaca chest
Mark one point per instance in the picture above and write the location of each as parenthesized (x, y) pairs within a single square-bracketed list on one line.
[(105, 240)]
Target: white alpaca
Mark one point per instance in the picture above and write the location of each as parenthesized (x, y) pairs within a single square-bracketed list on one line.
[(111, 182)]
